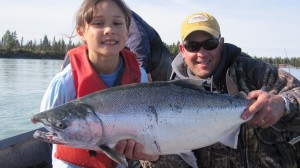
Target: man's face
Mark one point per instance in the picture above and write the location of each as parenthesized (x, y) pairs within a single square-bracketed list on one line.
[(204, 61)]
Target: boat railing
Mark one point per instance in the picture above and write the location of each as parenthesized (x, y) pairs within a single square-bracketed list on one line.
[(24, 151)]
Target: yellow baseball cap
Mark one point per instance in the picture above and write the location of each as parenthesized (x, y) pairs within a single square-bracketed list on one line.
[(200, 21)]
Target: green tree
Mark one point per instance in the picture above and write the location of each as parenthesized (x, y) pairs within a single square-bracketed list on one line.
[(173, 48), (9, 40), (62, 46), (30, 46), (54, 46), (21, 44), (45, 44)]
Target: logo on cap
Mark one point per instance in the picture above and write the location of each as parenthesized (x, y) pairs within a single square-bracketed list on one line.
[(197, 18)]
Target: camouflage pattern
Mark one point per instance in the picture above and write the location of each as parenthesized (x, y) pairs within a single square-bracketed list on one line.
[(261, 148)]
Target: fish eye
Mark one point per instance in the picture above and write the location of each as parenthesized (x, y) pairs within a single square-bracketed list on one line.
[(60, 125)]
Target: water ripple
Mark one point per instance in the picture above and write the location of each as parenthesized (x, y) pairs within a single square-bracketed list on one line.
[(22, 85)]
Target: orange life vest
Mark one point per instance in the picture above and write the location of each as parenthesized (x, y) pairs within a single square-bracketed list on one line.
[(87, 81)]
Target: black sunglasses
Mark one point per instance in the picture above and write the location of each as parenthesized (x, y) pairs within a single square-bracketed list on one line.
[(193, 46)]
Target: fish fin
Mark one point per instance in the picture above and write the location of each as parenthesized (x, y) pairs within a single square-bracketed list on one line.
[(231, 139), (241, 94), (189, 83), (189, 158), (117, 157)]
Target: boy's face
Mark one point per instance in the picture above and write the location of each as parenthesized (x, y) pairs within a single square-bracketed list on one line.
[(203, 62), (107, 33)]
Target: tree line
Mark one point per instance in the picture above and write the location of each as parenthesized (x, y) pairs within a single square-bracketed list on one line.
[(10, 43)]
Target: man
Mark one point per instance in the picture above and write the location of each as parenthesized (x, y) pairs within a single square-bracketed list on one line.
[(263, 141), (151, 52)]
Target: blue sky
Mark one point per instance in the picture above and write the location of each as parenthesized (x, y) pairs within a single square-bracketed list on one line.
[(259, 27)]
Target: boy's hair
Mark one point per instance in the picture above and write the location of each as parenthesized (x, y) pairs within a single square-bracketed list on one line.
[(87, 9)]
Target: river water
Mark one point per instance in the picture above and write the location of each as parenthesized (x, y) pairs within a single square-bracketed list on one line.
[(22, 85)]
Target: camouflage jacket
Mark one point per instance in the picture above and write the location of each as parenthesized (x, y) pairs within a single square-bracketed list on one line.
[(256, 147)]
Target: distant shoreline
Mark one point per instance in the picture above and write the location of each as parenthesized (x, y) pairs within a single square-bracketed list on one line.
[(31, 55), (25, 54)]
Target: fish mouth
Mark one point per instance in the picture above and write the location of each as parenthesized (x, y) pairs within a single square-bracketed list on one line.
[(50, 137)]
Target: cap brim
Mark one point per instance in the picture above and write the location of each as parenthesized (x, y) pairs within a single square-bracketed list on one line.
[(201, 28)]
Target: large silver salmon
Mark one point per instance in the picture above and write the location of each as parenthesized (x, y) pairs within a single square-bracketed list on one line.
[(165, 117)]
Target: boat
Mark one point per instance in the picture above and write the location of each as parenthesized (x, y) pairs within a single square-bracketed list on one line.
[(24, 151)]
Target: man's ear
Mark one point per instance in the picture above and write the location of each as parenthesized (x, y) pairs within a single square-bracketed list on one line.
[(182, 49), (222, 43)]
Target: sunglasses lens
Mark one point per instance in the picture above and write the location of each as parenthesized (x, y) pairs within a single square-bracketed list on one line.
[(194, 46), (210, 44)]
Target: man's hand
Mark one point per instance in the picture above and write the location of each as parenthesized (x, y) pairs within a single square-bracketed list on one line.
[(133, 150), (266, 110)]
